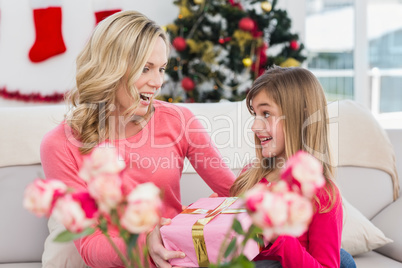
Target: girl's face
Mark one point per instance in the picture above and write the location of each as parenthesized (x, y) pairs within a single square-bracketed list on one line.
[(268, 125), (150, 80)]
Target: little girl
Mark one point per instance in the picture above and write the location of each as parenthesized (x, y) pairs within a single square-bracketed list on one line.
[(290, 112)]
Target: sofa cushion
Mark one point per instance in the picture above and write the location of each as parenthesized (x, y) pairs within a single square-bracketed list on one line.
[(362, 144), (58, 254), (373, 259), (395, 137), (359, 234), (21, 265), (390, 221), (367, 189), (29, 124), (21, 233)]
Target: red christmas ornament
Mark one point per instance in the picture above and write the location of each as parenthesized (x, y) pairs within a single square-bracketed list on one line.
[(294, 45), (188, 84), (224, 40), (246, 24), (235, 4), (179, 43)]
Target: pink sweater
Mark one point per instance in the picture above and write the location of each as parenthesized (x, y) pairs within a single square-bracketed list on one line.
[(155, 154), (318, 247)]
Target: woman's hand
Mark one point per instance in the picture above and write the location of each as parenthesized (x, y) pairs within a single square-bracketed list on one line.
[(159, 254), (213, 195)]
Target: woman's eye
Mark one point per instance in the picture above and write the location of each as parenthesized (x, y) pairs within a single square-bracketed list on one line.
[(266, 115), (162, 70), (146, 69)]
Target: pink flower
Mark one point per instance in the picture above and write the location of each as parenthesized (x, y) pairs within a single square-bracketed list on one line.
[(304, 172), (267, 209), (103, 160), (143, 209), (106, 190), (280, 187), (277, 210), (254, 197), (40, 196), (76, 211), (274, 210), (300, 211)]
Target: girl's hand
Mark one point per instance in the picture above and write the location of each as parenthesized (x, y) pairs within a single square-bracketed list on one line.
[(273, 238), (159, 254)]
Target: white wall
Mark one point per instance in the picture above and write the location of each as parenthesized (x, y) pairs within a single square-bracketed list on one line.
[(56, 75)]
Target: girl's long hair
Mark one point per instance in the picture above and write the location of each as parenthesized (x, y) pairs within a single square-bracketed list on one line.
[(118, 48), (302, 103)]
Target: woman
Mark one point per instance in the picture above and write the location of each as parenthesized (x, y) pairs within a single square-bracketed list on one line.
[(119, 72)]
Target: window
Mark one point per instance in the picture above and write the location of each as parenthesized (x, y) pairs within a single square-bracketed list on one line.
[(355, 49)]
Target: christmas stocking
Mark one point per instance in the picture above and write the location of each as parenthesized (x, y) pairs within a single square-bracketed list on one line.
[(105, 8), (49, 39)]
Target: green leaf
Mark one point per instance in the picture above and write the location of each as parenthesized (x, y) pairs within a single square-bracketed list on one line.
[(132, 241), (237, 226), (245, 263), (114, 217), (103, 225), (67, 236), (259, 240), (230, 248)]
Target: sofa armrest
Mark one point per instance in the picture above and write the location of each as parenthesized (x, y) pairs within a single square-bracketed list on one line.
[(389, 220)]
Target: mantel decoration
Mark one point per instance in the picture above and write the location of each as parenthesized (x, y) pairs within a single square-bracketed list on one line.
[(221, 46), (49, 43), (280, 208)]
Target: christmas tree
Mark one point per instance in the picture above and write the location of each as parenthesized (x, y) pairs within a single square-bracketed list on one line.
[(221, 46)]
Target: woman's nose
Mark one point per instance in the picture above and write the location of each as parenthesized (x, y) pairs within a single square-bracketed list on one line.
[(156, 80)]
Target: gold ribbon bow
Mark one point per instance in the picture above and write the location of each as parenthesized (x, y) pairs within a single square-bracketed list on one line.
[(198, 227)]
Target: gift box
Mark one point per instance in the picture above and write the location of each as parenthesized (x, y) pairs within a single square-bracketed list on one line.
[(200, 230)]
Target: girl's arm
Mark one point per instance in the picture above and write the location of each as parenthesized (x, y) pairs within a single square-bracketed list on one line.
[(319, 247)]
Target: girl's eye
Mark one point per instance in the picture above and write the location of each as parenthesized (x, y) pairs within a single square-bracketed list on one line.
[(266, 114), (145, 70), (162, 70), (252, 111)]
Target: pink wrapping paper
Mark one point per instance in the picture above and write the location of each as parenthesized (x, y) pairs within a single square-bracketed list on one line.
[(178, 236)]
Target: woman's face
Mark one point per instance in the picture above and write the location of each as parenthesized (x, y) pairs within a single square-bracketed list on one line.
[(150, 80), (268, 125)]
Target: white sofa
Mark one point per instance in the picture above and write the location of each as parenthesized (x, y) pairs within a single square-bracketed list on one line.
[(367, 189)]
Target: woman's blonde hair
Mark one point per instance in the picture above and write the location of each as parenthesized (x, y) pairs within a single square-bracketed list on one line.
[(118, 48), (303, 105)]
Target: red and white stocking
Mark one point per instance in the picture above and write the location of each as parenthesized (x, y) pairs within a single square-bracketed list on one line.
[(105, 8), (49, 41)]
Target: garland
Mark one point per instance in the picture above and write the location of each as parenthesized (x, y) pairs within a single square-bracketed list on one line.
[(32, 97)]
